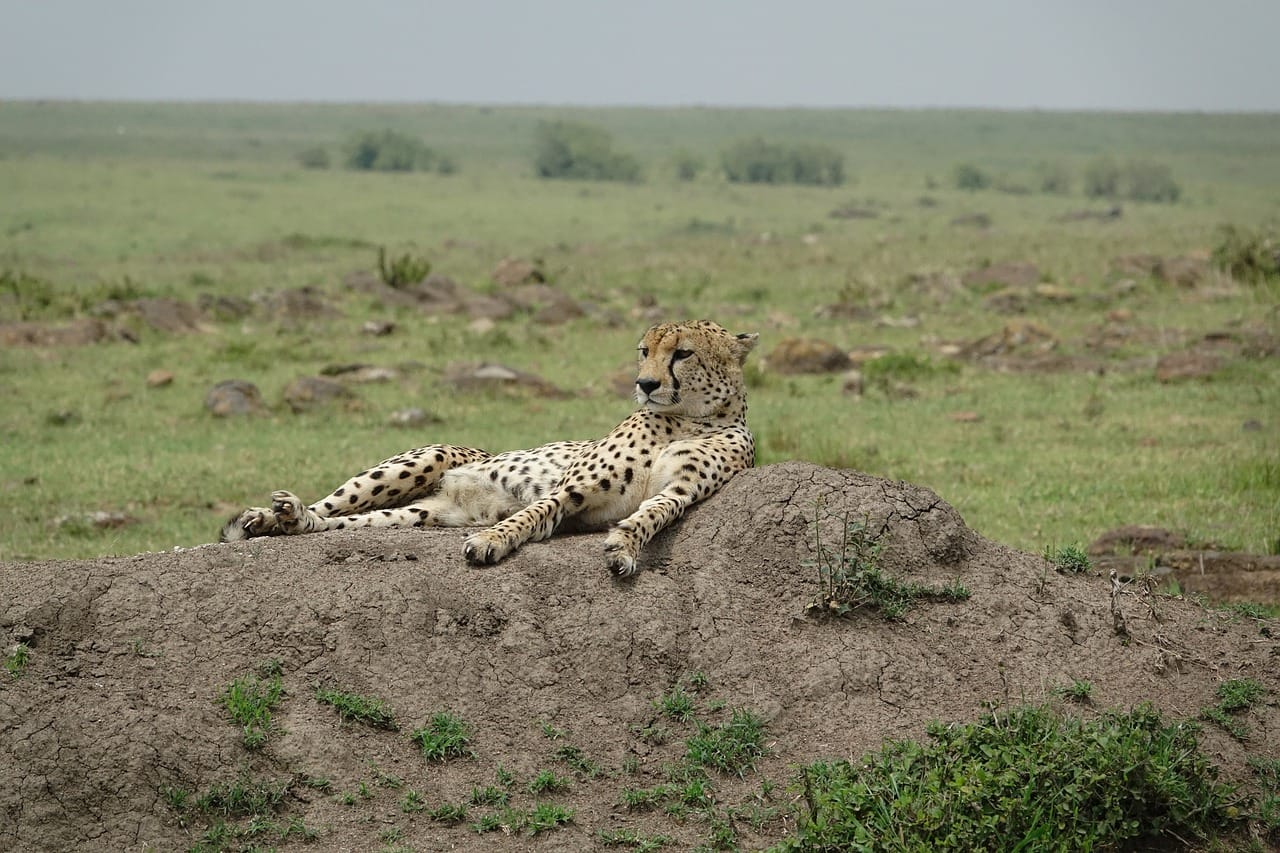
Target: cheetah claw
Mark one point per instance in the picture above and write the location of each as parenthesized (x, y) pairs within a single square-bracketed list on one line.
[(288, 510), (480, 551)]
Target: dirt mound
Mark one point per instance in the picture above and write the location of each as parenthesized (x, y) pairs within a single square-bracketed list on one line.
[(553, 665)]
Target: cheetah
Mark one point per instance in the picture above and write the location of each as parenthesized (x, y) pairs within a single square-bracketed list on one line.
[(686, 440)]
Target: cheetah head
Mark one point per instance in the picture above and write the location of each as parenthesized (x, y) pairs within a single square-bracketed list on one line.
[(692, 369)]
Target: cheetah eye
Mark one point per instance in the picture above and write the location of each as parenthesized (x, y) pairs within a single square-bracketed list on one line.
[(681, 354), (644, 351)]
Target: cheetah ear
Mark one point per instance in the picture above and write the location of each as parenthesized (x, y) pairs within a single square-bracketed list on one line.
[(745, 344)]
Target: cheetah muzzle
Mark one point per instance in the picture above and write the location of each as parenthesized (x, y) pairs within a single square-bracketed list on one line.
[(686, 440)]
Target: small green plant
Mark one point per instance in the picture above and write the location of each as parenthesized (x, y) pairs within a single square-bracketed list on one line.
[(490, 795), (17, 659), (250, 701), (444, 737), (504, 777), (403, 271), (850, 578), (698, 681), (1077, 691), (720, 832), (1268, 806), (487, 823), (412, 802), (243, 797), (577, 760), (676, 704), (643, 799), (545, 817), (1234, 696), (449, 813), (652, 734), (1070, 559), (175, 798), (550, 731), (731, 747), (359, 709), (1040, 780), (547, 782)]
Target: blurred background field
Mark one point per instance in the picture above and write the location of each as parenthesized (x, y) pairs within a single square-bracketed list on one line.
[(1052, 359)]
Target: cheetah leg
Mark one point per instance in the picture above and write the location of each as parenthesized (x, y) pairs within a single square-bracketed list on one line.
[(293, 518), (535, 522), (394, 482)]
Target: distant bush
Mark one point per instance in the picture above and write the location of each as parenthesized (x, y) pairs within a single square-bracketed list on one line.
[(1249, 256), (315, 157), (687, 165), (1054, 178), (755, 161), (578, 151), (969, 177), (1147, 181), (391, 151), (402, 271), (1102, 178)]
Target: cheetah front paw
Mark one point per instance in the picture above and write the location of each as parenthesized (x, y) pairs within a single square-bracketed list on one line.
[(485, 548), (620, 552)]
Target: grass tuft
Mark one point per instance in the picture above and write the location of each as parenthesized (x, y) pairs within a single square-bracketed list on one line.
[(732, 747), (358, 709), (1068, 559), (445, 736), (250, 701)]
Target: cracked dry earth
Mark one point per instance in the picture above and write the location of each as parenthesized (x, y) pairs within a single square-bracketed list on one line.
[(129, 656)]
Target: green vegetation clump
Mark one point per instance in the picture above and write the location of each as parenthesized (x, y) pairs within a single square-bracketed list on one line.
[(850, 578), (1252, 257), (250, 701), (1021, 780), (392, 151), (755, 161), (969, 177), (358, 709), (566, 149), (1070, 559), (547, 782), (1234, 696), (445, 736), (1137, 180), (731, 747), (315, 157), (17, 659), (402, 271)]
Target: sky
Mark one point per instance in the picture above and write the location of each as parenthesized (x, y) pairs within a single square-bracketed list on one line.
[(1167, 55)]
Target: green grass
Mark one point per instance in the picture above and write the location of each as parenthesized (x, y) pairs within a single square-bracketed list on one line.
[(15, 663), (1069, 559), (850, 578), (1020, 780), (353, 707), (1234, 696), (250, 700), (209, 198), (731, 747), (547, 782), (445, 736)]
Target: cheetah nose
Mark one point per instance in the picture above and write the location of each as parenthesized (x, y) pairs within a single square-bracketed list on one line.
[(648, 386)]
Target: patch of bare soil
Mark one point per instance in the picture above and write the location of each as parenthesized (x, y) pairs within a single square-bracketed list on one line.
[(129, 656), (1199, 568)]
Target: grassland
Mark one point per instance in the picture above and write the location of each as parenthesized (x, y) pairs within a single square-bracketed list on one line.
[(131, 200)]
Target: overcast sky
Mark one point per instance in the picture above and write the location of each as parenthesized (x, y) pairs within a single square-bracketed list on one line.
[(1222, 55)]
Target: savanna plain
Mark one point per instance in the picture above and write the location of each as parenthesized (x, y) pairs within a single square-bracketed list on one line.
[(1060, 323)]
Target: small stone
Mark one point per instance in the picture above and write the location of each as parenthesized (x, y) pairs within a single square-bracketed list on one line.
[(159, 378)]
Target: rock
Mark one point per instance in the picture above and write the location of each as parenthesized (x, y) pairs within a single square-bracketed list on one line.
[(515, 271), (1186, 271), (972, 220), (86, 330), (412, 418), (377, 328), (807, 355), (1137, 539), (474, 376), (308, 392), (234, 397), (1135, 265), (1009, 274), (1016, 336), (852, 383), (159, 378), (1054, 293), (1192, 364)]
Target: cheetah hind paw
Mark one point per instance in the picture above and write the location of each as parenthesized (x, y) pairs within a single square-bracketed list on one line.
[(254, 521), (289, 512), (480, 549)]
